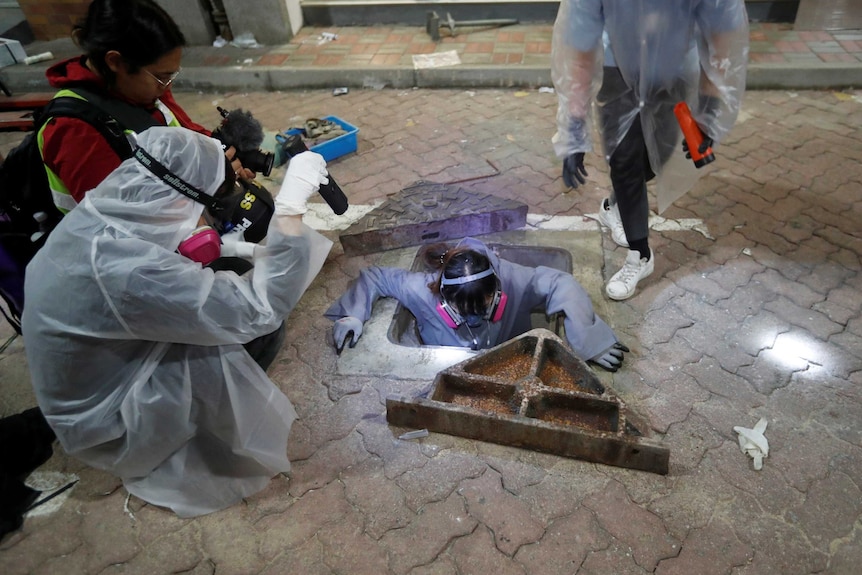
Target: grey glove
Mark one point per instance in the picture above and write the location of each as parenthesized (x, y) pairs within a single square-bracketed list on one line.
[(612, 358), (344, 328)]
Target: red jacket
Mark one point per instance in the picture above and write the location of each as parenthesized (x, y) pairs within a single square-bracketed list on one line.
[(73, 149)]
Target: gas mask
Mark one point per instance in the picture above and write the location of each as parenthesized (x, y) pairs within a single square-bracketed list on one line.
[(247, 209), (493, 312)]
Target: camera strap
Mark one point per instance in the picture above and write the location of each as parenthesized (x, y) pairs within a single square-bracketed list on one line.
[(177, 182)]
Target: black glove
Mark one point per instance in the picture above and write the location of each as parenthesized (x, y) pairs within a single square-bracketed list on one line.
[(612, 358), (708, 108), (704, 145), (573, 170)]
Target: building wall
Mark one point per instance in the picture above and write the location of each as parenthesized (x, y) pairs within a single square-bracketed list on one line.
[(53, 19), (270, 21)]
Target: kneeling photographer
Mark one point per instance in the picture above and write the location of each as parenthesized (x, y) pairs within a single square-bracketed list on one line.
[(136, 350)]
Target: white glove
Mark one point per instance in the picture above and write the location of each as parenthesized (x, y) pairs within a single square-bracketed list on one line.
[(305, 173), (233, 244)]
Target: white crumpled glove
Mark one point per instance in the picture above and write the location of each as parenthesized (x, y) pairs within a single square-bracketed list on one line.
[(305, 173), (753, 442)]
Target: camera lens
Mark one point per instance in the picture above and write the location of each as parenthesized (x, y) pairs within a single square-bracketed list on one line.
[(257, 161)]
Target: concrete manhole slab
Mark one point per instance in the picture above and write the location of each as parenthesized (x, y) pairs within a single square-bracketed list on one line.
[(532, 392), (426, 213)]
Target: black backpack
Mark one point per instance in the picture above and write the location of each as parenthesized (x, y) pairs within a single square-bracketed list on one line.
[(27, 211)]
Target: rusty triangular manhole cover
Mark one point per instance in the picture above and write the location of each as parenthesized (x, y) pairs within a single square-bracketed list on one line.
[(425, 213), (532, 392)]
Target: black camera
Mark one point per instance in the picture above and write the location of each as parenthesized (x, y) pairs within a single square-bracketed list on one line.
[(256, 160), (242, 131)]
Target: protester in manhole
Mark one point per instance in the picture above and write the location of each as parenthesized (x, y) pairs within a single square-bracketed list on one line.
[(136, 348), (633, 61), (475, 299)]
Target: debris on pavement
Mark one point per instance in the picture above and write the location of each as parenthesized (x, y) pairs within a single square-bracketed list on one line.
[(414, 434), (753, 442)]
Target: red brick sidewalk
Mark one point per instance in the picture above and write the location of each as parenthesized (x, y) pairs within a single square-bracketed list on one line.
[(514, 45)]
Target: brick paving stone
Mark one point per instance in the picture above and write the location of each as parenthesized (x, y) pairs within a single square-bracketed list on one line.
[(325, 465), (176, 553), (772, 369), (300, 522), (308, 558), (428, 534), (674, 405), (507, 518), (398, 457), (438, 478), (22, 552), (708, 551), (781, 543), (813, 322), (630, 524), (556, 497), (349, 549), (476, 553), (823, 530), (381, 502), (566, 544), (694, 497), (661, 325), (713, 378)]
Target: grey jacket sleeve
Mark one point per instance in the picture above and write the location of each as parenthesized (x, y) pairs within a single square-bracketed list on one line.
[(374, 283), (586, 332)]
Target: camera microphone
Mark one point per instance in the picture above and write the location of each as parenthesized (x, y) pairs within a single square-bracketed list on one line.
[(330, 192), (242, 131)]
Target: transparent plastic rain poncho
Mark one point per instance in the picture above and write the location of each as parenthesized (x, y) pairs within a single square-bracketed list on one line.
[(666, 51), (136, 352)]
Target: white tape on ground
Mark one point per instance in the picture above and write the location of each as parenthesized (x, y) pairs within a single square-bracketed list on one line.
[(321, 218)]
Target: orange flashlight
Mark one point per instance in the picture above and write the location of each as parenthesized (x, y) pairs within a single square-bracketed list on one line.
[(693, 136)]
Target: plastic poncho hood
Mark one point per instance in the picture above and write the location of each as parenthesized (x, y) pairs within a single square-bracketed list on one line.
[(138, 203)]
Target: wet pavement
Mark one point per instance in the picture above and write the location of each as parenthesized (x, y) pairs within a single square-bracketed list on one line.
[(753, 311)]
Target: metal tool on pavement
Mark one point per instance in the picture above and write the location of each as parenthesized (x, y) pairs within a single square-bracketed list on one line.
[(433, 24)]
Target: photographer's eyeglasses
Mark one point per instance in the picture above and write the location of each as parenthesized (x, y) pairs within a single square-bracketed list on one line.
[(164, 83)]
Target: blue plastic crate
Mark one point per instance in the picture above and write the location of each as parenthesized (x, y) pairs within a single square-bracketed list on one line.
[(336, 147)]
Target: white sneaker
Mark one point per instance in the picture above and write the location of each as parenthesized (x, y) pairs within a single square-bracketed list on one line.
[(624, 282), (610, 218)]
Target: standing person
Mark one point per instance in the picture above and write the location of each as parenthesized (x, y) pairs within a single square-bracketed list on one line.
[(476, 299), (132, 55), (636, 59), (136, 351)]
